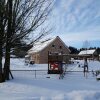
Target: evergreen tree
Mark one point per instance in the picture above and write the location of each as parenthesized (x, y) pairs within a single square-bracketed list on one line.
[(73, 50)]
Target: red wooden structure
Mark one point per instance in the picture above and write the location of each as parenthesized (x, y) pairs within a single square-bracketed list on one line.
[(55, 65)]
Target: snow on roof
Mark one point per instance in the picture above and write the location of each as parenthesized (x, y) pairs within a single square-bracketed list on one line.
[(98, 77), (41, 45), (87, 52), (27, 56)]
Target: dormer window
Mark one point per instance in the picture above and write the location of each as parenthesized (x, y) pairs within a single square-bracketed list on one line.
[(53, 45), (60, 47)]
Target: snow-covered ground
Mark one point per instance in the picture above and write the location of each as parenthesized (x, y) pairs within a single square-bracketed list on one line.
[(38, 85)]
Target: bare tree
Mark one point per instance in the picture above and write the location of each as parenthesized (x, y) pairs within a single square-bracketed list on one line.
[(24, 17), (1, 41), (86, 44), (3, 21)]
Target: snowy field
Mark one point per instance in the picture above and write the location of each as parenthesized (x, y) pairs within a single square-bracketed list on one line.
[(38, 85)]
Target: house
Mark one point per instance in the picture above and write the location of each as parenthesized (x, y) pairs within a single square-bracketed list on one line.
[(89, 53), (39, 52)]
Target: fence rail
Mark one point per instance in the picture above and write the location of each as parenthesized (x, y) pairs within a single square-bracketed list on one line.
[(44, 73), (47, 70), (29, 70), (36, 73)]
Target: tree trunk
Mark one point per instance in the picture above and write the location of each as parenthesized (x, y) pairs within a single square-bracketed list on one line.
[(1, 78), (7, 63), (1, 38), (8, 43)]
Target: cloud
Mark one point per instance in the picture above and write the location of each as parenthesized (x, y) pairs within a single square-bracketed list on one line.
[(76, 15), (78, 39), (80, 36), (76, 20)]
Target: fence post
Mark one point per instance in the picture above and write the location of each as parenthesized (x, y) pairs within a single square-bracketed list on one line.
[(35, 73)]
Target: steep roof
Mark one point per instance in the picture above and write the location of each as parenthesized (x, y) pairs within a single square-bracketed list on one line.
[(39, 46), (87, 52)]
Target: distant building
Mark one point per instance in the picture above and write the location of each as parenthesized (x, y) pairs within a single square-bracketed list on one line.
[(39, 52), (90, 53)]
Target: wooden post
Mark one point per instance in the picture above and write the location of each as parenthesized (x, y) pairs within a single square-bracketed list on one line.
[(35, 73), (11, 74)]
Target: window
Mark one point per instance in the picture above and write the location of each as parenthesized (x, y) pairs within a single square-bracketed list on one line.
[(53, 45), (60, 47)]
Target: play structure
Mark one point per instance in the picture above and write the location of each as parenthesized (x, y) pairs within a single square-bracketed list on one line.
[(55, 63)]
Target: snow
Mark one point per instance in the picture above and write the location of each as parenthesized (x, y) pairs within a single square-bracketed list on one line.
[(42, 86), (40, 45), (19, 64), (87, 52), (98, 77)]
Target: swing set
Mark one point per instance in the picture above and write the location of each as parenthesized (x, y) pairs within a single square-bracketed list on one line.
[(55, 61)]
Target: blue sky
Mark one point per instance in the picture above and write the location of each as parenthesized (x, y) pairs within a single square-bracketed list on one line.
[(76, 21)]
